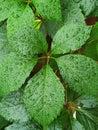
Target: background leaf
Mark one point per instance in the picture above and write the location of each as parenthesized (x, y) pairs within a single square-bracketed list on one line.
[(87, 120), (21, 126), (71, 12), (6, 8), (12, 108), (50, 10), (44, 96), (14, 70), (87, 102), (4, 48), (80, 72), (87, 6), (91, 48), (3, 122)]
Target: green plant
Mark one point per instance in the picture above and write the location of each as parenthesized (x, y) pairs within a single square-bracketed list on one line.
[(45, 78)]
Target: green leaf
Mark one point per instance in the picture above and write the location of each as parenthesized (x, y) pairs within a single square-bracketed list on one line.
[(3, 122), (28, 41), (6, 8), (56, 125), (94, 33), (69, 123), (71, 13), (87, 102), (4, 48), (76, 125), (44, 96), (51, 27), (80, 72), (90, 49), (14, 70), (22, 126), (50, 10), (22, 17), (22, 37), (12, 108), (87, 6), (95, 11), (87, 119), (70, 37)]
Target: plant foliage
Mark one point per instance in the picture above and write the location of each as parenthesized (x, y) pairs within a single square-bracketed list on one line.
[(48, 65)]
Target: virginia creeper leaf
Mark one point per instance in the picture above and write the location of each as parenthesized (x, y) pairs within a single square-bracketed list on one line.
[(28, 41), (94, 33), (21, 126), (80, 72), (44, 96), (71, 12), (87, 102), (70, 37), (50, 10), (87, 6), (51, 27), (14, 70), (3, 122), (75, 125), (95, 11), (87, 120), (90, 49), (6, 8), (22, 17), (56, 124), (12, 108), (4, 48)]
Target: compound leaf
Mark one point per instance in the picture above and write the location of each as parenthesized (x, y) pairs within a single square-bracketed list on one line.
[(80, 72), (50, 10), (14, 70), (70, 37), (44, 96), (12, 108)]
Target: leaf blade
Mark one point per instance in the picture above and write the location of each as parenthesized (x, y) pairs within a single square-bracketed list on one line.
[(70, 38), (14, 69), (42, 89), (11, 107), (80, 72), (44, 7)]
